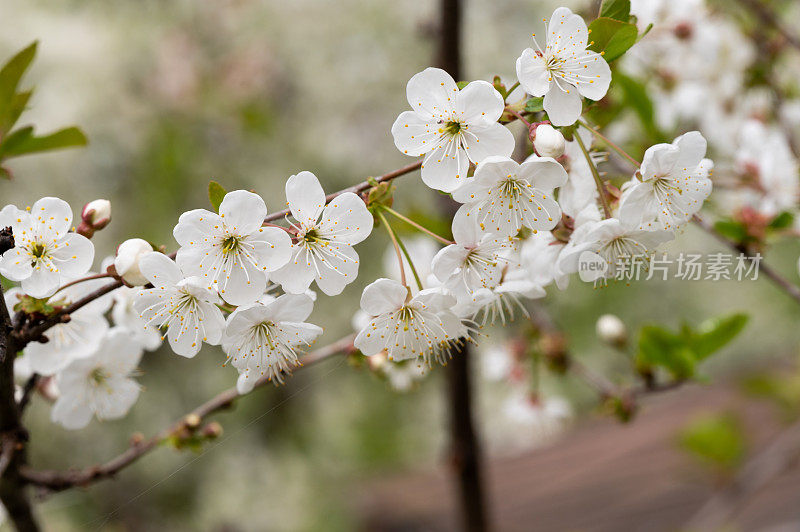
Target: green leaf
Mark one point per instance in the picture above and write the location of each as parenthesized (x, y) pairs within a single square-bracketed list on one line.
[(660, 347), (716, 333), (717, 440), (534, 105), (10, 76), (10, 116), (616, 9), (461, 84), (731, 230), (216, 193), (22, 141), (611, 37), (645, 32), (782, 221)]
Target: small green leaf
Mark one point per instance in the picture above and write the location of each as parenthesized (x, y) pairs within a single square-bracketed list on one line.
[(782, 221), (714, 334), (645, 32), (732, 230), (462, 84), (534, 105), (718, 440), (22, 142), (9, 117), (616, 9), (216, 193), (10, 76), (611, 37), (660, 347)]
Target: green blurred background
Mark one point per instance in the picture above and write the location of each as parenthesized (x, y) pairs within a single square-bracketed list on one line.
[(174, 93)]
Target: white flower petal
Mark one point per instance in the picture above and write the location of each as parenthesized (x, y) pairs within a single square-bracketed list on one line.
[(532, 73), (383, 295), (432, 93), (414, 134), (479, 102), (305, 197), (563, 108)]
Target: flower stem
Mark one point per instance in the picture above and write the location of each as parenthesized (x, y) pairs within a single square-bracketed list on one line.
[(410, 263), (519, 116), (605, 139), (514, 86), (596, 176), (417, 226), (83, 279), (396, 247)]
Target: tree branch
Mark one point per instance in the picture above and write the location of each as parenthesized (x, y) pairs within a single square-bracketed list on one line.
[(769, 18), (62, 480)]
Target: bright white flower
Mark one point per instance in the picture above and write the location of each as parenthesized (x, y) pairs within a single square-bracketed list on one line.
[(673, 184), (77, 338), (45, 252), (261, 340), (450, 127), (126, 263), (325, 237), (611, 329), (504, 196), (476, 260), (231, 251), (565, 70), (100, 384), (421, 327), (614, 241), (184, 305), (127, 318), (549, 142)]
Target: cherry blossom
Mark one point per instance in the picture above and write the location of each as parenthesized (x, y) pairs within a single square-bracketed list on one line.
[(671, 184), (325, 237), (45, 253), (421, 327), (505, 196), (126, 262), (184, 305), (564, 70), (231, 251), (261, 340), (450, 127), (100, 384), (126, 317)]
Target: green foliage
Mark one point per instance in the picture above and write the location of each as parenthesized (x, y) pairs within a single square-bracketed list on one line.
[(781, 221), (216, 193), (534, 105), (380, 195), (680, 353), (732, 230), (616, 9), (13, 103), (636, 98), (612, 37), (717, 440), (461, 84), (44, 307)]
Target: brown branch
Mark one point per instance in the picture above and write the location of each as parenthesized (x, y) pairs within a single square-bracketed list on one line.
[(61, 480), (356, 189), (787, 286), (754, 475), (769, 18)]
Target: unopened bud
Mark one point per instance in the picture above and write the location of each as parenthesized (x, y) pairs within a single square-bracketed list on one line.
[(548, 141), (94, 216), (212, 430), (126, 263), (192, 421), (611, 330)]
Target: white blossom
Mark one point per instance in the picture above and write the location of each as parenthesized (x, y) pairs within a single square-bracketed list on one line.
[(611, 329), (564, 70), (451, 127), (231, 251), (325, 237), (548, 141), (126, 262), (261, 340), (127, 318), (504, 196), (184, 305), (421, 327), (45, 253), (671, 184), (99, 385)]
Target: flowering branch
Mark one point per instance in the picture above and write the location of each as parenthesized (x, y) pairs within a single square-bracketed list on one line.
[(61, 480)]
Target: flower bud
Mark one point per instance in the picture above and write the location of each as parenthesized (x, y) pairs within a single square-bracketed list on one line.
[(95, 216), (548, 141), (126, 263), (611, 330)]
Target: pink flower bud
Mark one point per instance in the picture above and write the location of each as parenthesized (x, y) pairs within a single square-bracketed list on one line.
[(95, 216)]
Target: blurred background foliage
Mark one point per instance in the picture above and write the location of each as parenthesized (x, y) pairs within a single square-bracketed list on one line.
[(172, 94)]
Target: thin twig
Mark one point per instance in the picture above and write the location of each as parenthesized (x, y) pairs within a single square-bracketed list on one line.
[(605, 139), (598, 182), (396, 248), (84, 279), (61, 480), (417, 226)]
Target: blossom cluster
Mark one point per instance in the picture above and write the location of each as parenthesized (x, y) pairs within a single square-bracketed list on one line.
[(245, 283)]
